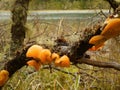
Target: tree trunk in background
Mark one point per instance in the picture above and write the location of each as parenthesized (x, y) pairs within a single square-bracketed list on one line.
[(19, 18)]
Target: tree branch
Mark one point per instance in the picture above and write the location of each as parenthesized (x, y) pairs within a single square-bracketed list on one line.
[(113, 4), (113, 65)]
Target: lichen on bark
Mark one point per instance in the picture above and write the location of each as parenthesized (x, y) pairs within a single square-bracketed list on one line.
[(19, 18)]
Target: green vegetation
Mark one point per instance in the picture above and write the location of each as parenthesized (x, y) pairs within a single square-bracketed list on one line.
[(67, 4), (59, 4)]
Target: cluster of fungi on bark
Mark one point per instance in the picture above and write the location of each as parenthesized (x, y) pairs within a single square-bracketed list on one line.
[(76, 52)]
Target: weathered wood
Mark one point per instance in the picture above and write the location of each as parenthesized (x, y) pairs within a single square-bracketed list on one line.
[(79, 48), (103, 64), (19, 18), (113, 4), (16, 63)]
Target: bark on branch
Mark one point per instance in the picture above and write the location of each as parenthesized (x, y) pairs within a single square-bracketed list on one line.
[(113, 65), (113, 4)]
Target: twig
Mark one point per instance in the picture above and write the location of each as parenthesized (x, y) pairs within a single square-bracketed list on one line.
[(60, 27), (82, 72), (103, 13), (64, 72), (113, 65), (3, 25), (60, 71), (113, 4), (96, 70)]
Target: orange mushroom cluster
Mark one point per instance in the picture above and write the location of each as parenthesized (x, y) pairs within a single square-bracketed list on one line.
[(111, 30), (43, 56), (4, 75)]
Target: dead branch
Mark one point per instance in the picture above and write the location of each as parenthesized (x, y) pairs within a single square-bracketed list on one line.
[(113, 65), (16, 63), (79, 48), (113, 4)]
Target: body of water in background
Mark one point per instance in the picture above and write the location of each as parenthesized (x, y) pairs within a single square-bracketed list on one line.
[(56, 14)]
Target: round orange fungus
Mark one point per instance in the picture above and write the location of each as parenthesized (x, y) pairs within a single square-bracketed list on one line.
[(64, 61), (45, 56), (98, 39), (55, 56), (34, 51), (34, 63), (4, 75)]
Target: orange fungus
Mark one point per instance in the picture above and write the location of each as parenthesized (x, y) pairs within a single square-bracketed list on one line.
[(34, 63), (45, 56), (64, 61), (4, 75), (55, 56), (34, 51)]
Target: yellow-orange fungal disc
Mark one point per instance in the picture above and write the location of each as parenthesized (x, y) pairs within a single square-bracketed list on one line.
[(97, 39), (64, 61), (34, 64), (57, 62), (112, 28), (55, 56), (4, 75), (97, 47), (92, 48), (45, 56), (34, 51)]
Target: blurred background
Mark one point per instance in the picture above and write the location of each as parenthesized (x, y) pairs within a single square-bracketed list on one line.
[(59, 4)]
